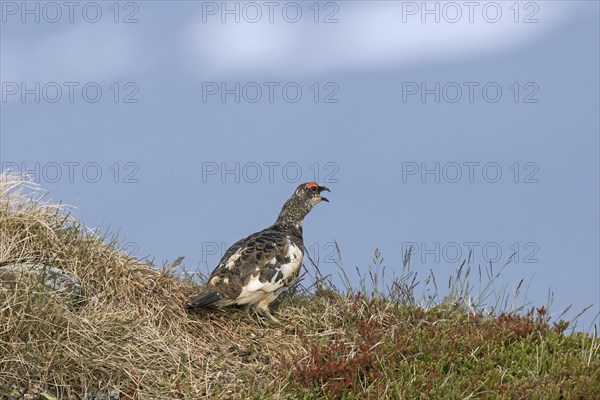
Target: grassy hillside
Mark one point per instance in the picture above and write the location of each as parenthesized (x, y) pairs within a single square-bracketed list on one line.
[(128, 337)]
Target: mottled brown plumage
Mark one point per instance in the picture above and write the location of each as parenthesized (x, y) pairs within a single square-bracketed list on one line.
[(256, 269)]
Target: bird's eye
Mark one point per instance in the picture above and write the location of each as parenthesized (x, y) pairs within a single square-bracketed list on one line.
[(314, 188)]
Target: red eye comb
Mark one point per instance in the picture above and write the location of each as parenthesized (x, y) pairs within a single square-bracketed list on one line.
[(312, 184)]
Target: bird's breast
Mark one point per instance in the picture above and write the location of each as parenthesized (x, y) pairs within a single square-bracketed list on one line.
[(290, 270)]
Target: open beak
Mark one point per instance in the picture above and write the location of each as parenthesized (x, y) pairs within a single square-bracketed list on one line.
[(324, 189)]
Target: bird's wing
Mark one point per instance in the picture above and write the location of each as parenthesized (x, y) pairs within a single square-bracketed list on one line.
[(261, 263)]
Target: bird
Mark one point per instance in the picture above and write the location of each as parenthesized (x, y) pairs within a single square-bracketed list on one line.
[(255, 270)]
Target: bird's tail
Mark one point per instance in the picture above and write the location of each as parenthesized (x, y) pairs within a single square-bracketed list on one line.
[(204, 299)]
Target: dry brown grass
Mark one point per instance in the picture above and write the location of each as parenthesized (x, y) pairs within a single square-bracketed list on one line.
[(131, 338), (129, 334)]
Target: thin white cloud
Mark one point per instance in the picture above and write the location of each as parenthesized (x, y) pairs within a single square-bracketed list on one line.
[(369, 34)]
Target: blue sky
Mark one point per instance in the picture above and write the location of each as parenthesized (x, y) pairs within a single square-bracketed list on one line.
[(449, 126)]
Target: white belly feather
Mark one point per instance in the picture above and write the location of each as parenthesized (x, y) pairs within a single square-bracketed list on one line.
[(255, 291)]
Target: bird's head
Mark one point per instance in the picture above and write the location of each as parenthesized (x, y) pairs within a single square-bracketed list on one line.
[(306, 196), (310, 193)]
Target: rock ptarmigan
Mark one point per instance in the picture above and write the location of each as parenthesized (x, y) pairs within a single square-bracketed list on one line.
[(255, 270)]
